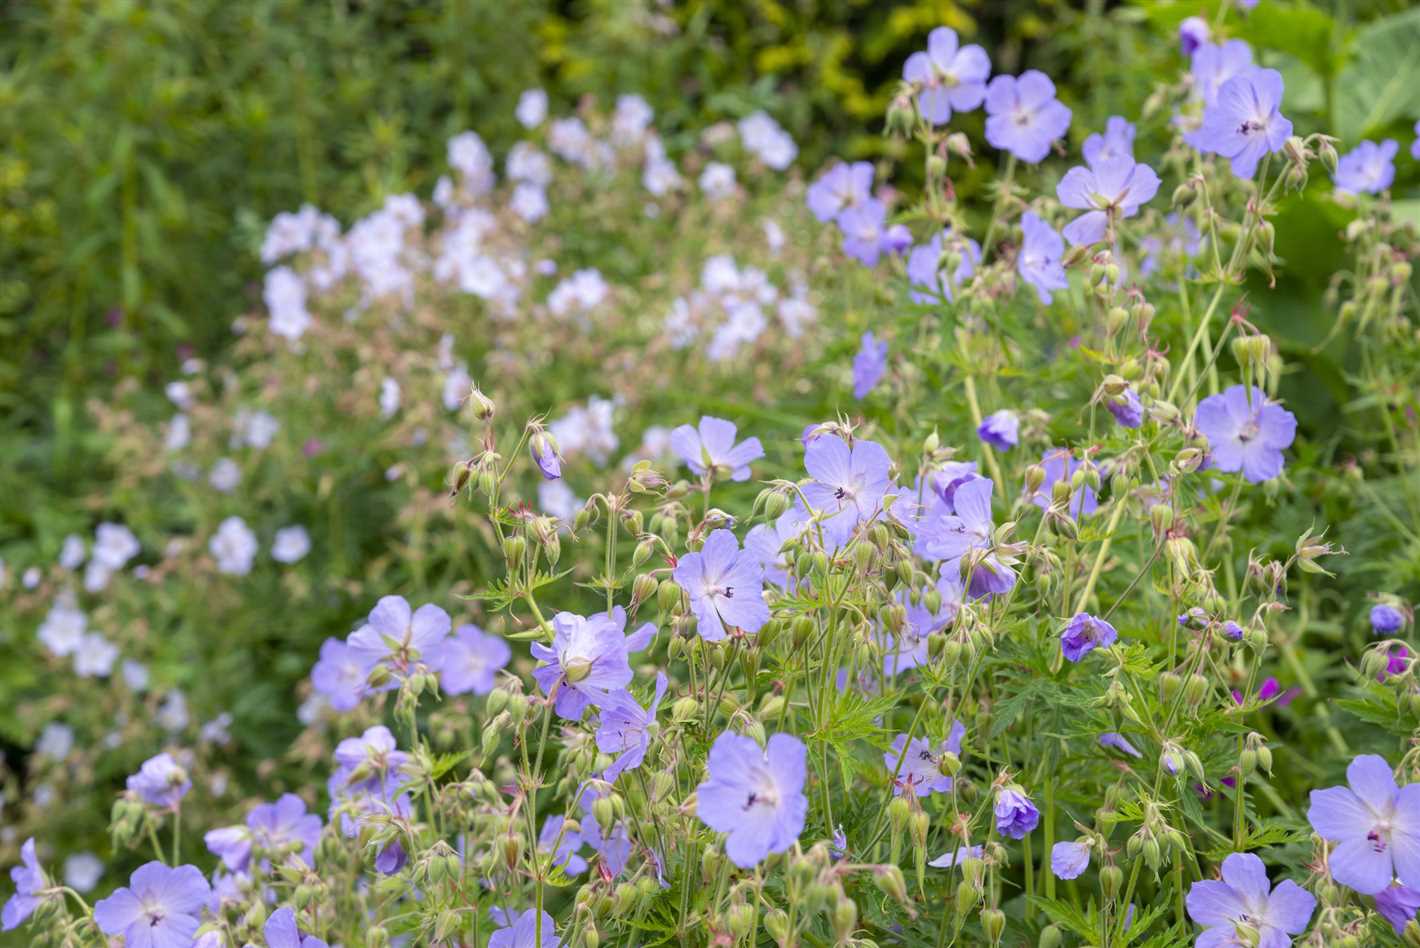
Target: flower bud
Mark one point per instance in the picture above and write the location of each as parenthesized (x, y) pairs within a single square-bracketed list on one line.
[(890, 880), (776, 922), (966, 897), (993, 923), (1184, 195), (1111, 880), (739, 919), (1050, 937), (481, 405)]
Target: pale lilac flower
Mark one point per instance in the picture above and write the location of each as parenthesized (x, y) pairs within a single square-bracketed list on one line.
[(1016, 815), (544, 454), (1085, 633), (1375, 825), (587, 660), (725, 585), (1107, 190), (1415, 145), (470, 661), (1069, 860), (1117, 741), (160, 907), (916, 765), (1038, 260), (711, 448), (1246, 122), (1193, 33), (841, 186), (717, 180), (766, 139), (613, 848), (910, 647), (624, 728), (1368, 168), (55, 741), (924, 267), (373, 753), (1001, 429), (281, 932), (341, 674), (961, 855), (95, 656), (1386, 619), (950, 77), (290, 545), (532, 108), (754, 795), (1117, 142), (397, 636), (766, 543), (1214, 64), (82, 871), (30, 885), (1398, 904), (1244, 909), (563, 843), (62, 630), (160, 782), (848, 486), (523, 933), (1246, 432), (869, 365), (233, 546), (284, 293), (1024, 117), (73, 553), (866, 235), (968, 527)]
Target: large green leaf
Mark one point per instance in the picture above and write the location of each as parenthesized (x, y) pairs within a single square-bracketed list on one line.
[(1381, 83), (1297, 29)]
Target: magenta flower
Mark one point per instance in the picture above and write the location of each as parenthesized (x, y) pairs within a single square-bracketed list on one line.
[(1244, 909), (1375, 825), (1069, 860), (1368, 168), (1001, 429), (1246, 122), (1038, 260), (1107, 190), (160, 907), (1117, 142), (840, 187), (471, 660), (1024, 117), (588, 659), (624, 728), (917, 764), (754, 795), (160, 782), (30, 885), (869, 365), (281, 932), (949, 77), (1016, 815), (711, 448), (1245, 432), (725, 585), (1085, 633)]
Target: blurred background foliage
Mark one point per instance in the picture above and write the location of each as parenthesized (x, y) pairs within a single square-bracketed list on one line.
[(147, 142)]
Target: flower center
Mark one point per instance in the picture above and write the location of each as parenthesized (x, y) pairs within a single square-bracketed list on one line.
[(1251, 126), (1248, 431)]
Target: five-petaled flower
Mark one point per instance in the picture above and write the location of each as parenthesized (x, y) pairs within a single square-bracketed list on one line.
[(1085, 633), (725, 585), (1024, 117), (1245, 122), (160, 907), (916, 765), (949, 77), (1245, 432), (1107, 189), (755, 795), (1244, 909), (710, 449), (1375, 825)]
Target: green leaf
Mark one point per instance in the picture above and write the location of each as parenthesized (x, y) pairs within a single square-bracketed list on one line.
[(1297, 29), (1069, 917), (1381, 83)]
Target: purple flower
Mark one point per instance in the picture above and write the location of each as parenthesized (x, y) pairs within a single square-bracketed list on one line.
[(1397, 661), (1038, 260), (1269, 689), (848, 486), (523, 933), (1179, 238), (588, 659), (1246, 432), (160, 907), (1016, 815), (1126, 409), (1243, 909), (1060, 464), (1215, 64), (1116, 142), (1024, 117), (281, 932), (30, 884), (398, 636), (754, 795), (363, 760), (1368, 168), (544, 454), (866, 234), (1386, 619), (1374, 824), (1415, 145), (1116, 740), (924, 265), (613, 848), (341, 674), (840, 187), (269, 827), (624, 728), (471, 661), (962, 854), (563, 844), (1398, 904), (725, 585), (1085, 633), (910, 646), (766, 543), (711, 448), (869, 365), (160, 782), (1192, 33), (1107, 190), (1000, 429), (969, 527), (917, 764), (1246, 122), (950, 77), (1069, 860)]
